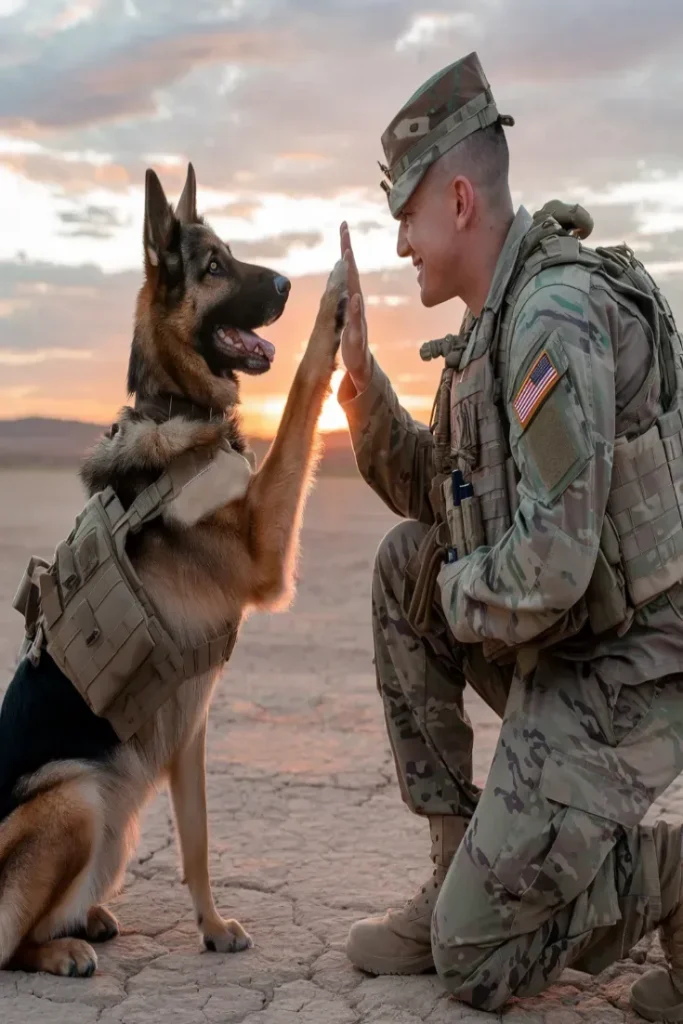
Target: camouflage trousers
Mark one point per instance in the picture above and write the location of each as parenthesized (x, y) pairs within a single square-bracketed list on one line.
[(556, 868)]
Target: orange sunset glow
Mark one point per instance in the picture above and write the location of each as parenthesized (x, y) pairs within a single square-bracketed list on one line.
[(280, 106)]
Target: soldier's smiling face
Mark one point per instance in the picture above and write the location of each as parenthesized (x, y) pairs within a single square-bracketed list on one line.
[(434, 231)]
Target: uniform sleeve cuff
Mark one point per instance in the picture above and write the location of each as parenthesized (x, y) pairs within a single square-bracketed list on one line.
[(358, 405), (447, 580)]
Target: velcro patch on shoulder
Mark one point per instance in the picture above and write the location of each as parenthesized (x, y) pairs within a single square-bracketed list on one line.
[(223, 480), (535, 388)]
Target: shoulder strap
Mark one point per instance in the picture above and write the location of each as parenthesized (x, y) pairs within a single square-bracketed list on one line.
[(546, 245), (194, 485), (549, 244)]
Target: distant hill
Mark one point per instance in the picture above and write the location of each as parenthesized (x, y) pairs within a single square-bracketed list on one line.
[(36, 441), (62, 443)]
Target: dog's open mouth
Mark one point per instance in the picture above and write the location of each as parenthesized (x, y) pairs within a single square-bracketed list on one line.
[(255, 354)]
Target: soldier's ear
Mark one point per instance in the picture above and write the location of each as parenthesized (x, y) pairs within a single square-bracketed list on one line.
[(186, 210), (159, 220)]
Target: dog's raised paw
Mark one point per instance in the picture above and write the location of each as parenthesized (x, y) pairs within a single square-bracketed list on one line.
[(326, 336), (226, 937), (338, 291), (340, 317), (337, 281)]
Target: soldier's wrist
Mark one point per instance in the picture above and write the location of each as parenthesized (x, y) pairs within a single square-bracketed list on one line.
[(362, 378)]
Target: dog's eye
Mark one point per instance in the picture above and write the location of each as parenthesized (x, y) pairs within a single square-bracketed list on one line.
[(214, 267)]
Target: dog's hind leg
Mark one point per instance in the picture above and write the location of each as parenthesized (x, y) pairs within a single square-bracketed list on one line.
[(47, 847), (188, 792)]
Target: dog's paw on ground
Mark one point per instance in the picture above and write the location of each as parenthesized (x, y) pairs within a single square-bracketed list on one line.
[(70, 958), (101, 925), (226, 937)]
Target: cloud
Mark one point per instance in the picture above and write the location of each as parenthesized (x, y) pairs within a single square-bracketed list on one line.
[(65, 335), (73, 176), (107, 67), (425, 29), (309, 87), (92, 222), (13, 357), (614, 222), (277, 246), (66, 309), (280, 105), (73, 337), (241, 209), (664, 247), (365, 226)]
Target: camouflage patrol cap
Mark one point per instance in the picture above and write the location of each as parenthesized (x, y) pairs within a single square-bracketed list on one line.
[(451, 105)]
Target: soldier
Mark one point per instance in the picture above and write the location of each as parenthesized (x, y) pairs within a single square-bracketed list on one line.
[(540, 560)]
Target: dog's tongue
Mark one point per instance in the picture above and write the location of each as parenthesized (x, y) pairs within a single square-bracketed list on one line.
[(253, 344)]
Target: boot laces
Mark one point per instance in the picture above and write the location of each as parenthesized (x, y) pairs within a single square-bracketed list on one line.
[(434, 882), (429, 889)]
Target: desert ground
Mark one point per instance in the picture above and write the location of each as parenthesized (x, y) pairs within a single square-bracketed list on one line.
[(308, 829)]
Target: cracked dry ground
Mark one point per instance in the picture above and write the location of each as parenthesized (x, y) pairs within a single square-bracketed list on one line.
[(308, 830)]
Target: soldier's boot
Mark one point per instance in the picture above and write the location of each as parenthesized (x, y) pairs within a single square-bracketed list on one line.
[(658, 995), (399, 942)]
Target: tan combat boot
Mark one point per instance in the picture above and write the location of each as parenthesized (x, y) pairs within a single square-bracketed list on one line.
[(400, 941), (658, 995)]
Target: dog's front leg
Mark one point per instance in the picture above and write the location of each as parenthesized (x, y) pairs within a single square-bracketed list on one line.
[(277, 492), (188, 792)]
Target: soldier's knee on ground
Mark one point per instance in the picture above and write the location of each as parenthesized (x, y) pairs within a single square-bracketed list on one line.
[(461, 970), (466, 950)]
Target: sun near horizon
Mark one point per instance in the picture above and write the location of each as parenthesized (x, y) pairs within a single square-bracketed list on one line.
[(279, 167), (260, 416), (332, 417)]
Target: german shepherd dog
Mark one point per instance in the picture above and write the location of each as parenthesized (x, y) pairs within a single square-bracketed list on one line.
[(70, 791)]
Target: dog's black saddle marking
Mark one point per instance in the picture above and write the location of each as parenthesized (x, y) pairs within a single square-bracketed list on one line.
[(43, 719)]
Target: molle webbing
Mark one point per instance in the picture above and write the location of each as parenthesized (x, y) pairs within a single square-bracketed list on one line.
[(645, 504), (90, 608), (641, 552), (451, 348)]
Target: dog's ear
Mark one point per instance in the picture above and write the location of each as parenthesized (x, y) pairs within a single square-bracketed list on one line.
[(159, 219), (186, 210)]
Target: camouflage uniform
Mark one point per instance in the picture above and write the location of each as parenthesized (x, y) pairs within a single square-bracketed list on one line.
[(556, 868)]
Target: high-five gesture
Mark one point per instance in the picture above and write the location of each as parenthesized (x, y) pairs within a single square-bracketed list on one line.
[(354, 343)]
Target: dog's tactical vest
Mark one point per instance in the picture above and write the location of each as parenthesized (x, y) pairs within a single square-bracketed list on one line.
[(91, 611), (641, 547)]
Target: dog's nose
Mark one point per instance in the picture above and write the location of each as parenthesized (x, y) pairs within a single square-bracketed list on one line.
[(282, 285)]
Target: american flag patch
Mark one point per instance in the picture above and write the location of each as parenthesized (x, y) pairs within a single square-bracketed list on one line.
[(541, 379)]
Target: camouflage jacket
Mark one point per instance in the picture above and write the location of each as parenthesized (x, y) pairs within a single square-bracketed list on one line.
[(523, 585)]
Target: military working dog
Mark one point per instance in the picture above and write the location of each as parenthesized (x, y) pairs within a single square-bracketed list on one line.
[(70, 790)]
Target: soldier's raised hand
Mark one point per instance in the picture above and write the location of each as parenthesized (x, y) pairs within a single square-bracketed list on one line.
[(354, 344)]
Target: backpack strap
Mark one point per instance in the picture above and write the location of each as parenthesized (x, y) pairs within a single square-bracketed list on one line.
[(627, 273)]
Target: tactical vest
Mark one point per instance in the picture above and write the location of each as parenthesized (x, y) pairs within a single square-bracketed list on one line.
[(90, 609), (641, 546)]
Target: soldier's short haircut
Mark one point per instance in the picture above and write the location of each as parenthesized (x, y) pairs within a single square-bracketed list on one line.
[(484, 158)]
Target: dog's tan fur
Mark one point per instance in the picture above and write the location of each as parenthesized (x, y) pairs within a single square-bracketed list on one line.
[(63, 852)]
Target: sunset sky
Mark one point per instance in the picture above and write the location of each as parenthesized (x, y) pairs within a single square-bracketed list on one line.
[(280, 105)]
